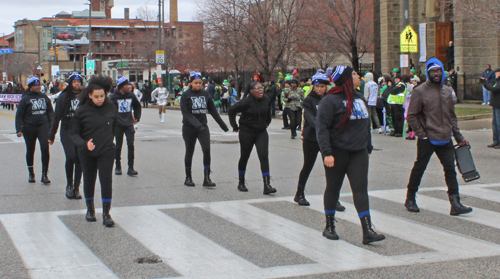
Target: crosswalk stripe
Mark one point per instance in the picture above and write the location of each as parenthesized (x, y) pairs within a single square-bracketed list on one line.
[(450, 245), (185, 250), (301, 239), (485, 194), (50, 250), (478, 215)]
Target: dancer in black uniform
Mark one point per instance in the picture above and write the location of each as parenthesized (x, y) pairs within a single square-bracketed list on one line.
[(129, 114), (91, 130), (310, 145), (254, 120), (65, 109), (33, 118), (195, 104), (343, 133)]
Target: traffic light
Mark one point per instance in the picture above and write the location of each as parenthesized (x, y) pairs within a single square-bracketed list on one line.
[(51, 51), (57, 50)]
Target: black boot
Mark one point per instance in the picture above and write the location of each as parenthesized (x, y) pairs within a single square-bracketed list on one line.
[(329, 231), (76, 191), (267, 186), (369, 235), (70, 194), (106, 218), (206, 181), (189, 180), (241, 184), (31, 178), (411, 203), (90, 216), (340, 207), (300, 198), (118, 169), (45, 179), (131, 171), (457, 207)]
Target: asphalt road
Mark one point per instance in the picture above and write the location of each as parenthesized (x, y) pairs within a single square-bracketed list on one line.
[(223, 233)]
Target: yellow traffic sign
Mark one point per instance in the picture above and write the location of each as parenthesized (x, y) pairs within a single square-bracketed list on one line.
[(408, 40)]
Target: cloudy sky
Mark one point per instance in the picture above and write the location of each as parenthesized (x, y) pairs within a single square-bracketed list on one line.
[(34, 9)]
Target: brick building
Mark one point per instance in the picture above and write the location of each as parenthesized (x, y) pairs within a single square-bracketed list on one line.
[(113, 40)]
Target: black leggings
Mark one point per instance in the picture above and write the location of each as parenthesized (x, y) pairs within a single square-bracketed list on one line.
[(90, 165), (261, 141), (295, 119), (129, 132), (145, 101), (285, 118), (311, 150), (190, 134), (355, 165), (72, 160), (31, 134)]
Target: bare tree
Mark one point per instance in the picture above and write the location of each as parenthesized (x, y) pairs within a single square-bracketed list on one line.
[(476, 11), (19, 64), (348, 27)]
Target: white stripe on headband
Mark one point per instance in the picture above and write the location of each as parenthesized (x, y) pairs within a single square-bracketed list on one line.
[(338, 71), (434, 65)]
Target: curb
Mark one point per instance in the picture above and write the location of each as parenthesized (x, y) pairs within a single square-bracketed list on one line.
[(474, 117)]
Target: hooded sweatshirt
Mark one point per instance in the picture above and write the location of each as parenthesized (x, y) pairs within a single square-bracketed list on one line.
[(34, 109), (431, 113), (194, 107), (371, 90), (255, 114), (126, 103), (65, 109), (310, 106), (495, 93)]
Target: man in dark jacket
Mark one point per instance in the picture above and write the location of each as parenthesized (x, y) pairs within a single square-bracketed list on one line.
[(432, 116), (450, 56), (489, 75), (494, 88)]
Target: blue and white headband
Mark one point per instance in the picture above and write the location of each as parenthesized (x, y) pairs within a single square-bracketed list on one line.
[(338, 72), (75, 75), (33, 80), (195, 75), (433, 66)]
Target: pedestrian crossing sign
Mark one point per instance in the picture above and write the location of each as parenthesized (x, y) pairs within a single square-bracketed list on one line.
[(408, 40)]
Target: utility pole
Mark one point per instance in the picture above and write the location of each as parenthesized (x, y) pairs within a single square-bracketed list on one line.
[(3, 67), (90, 29), (159, 23)]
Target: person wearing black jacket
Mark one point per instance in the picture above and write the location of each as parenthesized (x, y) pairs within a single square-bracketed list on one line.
[(91, 130), (195, 104), (310, 145), (129, 114), (33, 118), (65, 109), (494, 88), (255, 118), (344, 138)]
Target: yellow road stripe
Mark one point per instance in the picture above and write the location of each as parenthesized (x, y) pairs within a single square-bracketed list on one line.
[(7, 115)]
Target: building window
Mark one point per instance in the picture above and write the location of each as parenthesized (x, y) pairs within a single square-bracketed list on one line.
[(102, 32), (108, 33), (98, 35), (124, 33), (109, 46), (114, 34), (45, 46)]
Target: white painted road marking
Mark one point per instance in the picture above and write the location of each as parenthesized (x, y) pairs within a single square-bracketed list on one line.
[(50, 250)]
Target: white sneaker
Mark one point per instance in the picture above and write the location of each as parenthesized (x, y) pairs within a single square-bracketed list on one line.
[(380, 130), (483, 104)]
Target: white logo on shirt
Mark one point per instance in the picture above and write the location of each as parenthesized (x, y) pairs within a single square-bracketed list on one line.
[(74, 104), (38, 104), (199, 102), (359, 110), (124, 105)]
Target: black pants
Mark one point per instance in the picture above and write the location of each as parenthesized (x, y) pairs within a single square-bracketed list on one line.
[(261, 141), (398, 118), (129, 132), (90, 165), (355, 165), (224, 104), (273, 106), (285, 118), (190, 135), (310, 150), (295, 120), (145, 101), (72, 159), (446, 155), (31, 134)]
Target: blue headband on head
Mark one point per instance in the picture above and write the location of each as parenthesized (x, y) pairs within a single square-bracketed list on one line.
[(75, 75), (338, 72), (33, 80), (320, 78), (195, 75)]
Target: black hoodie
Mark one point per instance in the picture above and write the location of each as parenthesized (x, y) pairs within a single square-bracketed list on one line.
[(96, 123), (310, 106), (125, 103), (356, 137), (194, 107), (65, 109), (255, 113), (34, 109)]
